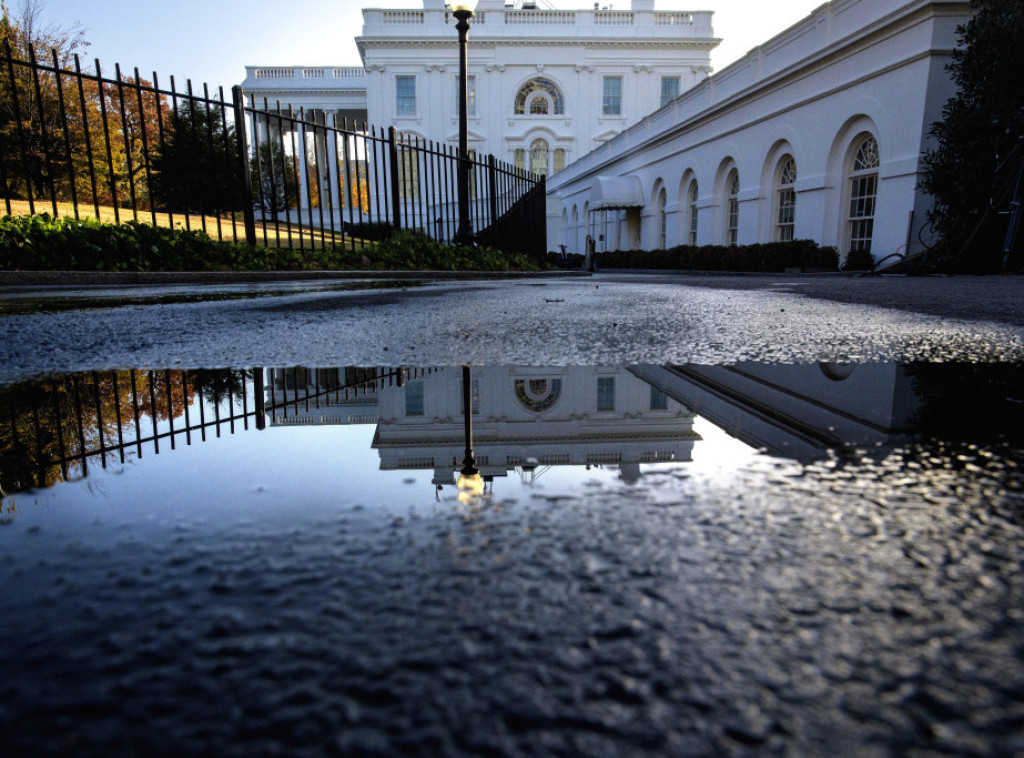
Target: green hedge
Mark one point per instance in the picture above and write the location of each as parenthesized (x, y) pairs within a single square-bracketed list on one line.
[(805, 255), (42, 243)]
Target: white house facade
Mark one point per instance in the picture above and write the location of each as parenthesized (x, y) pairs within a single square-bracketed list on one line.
[(816, 134), (523, 418), (546, 86)]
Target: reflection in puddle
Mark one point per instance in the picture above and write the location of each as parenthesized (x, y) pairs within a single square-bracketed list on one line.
[(280, 560), (526, 420)]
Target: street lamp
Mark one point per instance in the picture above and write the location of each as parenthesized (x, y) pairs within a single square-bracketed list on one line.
[(463, 12)]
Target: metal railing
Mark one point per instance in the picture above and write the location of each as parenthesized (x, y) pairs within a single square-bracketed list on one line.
[(55, 429), (83, 144)]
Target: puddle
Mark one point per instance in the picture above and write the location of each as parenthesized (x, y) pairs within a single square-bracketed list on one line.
[(675, 559)]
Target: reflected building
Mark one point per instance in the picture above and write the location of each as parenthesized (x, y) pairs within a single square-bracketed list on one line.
[(795, 411), (524, 419)]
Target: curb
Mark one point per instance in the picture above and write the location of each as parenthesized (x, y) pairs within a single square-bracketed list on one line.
[(114, 278)]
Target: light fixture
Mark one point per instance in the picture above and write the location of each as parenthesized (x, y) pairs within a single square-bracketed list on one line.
[(464, 5)]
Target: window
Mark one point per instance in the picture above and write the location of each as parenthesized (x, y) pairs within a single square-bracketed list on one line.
[(520, 158), (732, 216), (786, 198), (669, 89), (693, 213), (414, 398), (559, 161), (472, 174), (606, 393), (659, 400), (539, 157), (539, 96), (612, 103), (863, 193), (662, 218), (405, 98), (470, 95)]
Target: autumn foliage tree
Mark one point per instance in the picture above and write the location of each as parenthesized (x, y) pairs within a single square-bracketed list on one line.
[(65, 138)]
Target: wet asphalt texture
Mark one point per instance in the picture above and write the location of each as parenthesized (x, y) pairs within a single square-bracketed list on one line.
[(868, 604), (605, 320)]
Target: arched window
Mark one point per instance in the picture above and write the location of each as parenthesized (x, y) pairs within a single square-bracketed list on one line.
[(539, 156), (785, 193), (732, 215), (539, 97), (692, 232), (863, 193), (662, 218)]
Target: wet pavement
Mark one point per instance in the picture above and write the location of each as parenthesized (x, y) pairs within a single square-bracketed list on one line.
[(817, 552), (603, 320)]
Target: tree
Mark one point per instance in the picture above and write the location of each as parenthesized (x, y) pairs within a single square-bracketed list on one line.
[(30, 111), (980, 140), (275, 179), (196, 167)]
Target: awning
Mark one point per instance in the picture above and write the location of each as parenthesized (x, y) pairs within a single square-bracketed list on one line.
[(616, 192)]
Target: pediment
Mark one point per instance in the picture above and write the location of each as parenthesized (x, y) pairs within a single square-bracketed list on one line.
[(471, 136), (606, 135)]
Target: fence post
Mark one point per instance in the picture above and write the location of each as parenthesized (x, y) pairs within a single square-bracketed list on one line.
[(396, 200), (492, 187), (241, 137), (541, 239)]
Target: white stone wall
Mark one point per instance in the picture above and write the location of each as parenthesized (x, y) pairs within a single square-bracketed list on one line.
[(852, 68)]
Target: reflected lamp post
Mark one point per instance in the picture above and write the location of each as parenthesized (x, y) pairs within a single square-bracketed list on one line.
[(463, 12), (469, 480)]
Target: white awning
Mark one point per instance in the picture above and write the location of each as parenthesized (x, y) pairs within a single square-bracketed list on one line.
[(616, 192)]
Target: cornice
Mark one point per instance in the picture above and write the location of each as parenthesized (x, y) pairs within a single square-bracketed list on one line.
[(624, 44), (307, 92)]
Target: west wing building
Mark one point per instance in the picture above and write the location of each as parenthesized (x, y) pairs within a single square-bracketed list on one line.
[(816, 134)]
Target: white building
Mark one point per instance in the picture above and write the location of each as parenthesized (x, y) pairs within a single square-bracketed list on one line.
[(816, 134), (546, 86), (523, 418)]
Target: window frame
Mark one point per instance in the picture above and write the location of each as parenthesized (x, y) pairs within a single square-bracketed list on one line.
[(605, 394), (785, 200), (694, 192), (732, 206), (404, 101), (611, 104), (862, 187), (665, 100)]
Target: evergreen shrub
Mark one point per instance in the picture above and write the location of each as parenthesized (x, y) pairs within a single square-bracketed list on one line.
[(805, 255), (42, 243)]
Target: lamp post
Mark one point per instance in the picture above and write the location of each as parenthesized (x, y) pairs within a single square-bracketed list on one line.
[(463, 12)]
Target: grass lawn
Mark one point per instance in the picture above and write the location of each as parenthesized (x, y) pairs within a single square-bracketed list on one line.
[(226, 227)]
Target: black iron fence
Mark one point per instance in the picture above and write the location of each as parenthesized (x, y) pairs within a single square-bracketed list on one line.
[(55, 429), (123, 148)]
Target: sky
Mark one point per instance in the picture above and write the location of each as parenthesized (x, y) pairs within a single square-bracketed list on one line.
[(213, 40)]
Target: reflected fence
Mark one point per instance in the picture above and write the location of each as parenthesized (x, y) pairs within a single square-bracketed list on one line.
[(122, 148), (54, 430)]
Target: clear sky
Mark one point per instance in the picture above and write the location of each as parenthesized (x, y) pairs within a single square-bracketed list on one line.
[(213, 40)]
